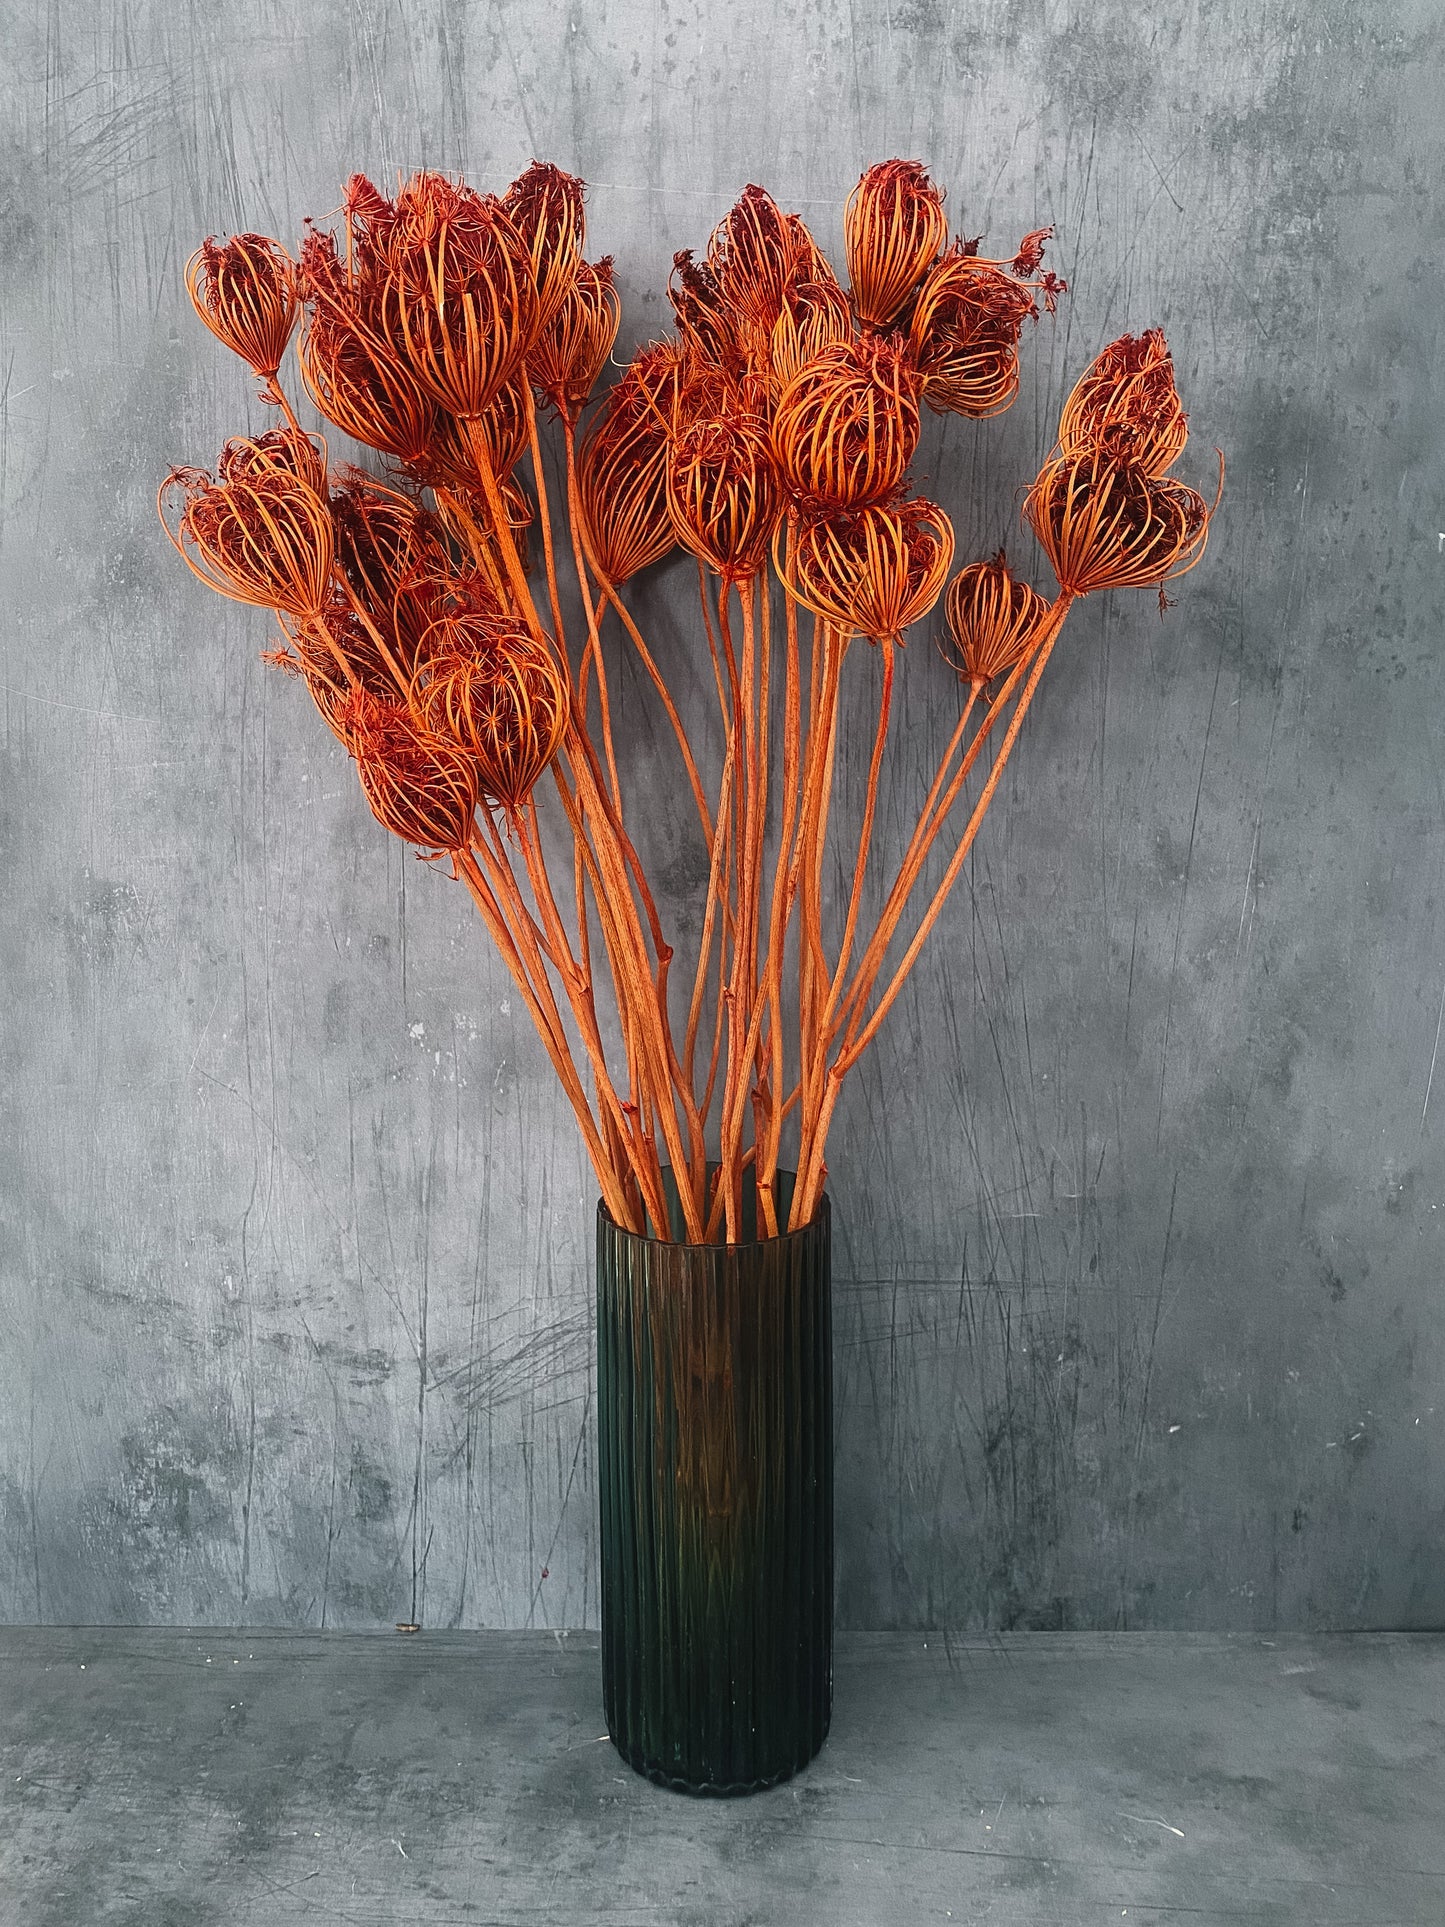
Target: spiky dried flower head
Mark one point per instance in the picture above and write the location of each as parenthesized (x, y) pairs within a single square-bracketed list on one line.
[(546, 209), (569, 354), (1126, 401), (963, 333), (706, 320), (846, 426), (490, 686), (756, 254), (423, 788), (245, 291), (386, 543), (261, 532), (1105, 524), (723, 494), (458, 292), (874, 569), (992, 619), (354, 372), (894, 228), (815, 315), (622, 468)]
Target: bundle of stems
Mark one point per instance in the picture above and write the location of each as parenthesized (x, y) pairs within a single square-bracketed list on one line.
[(454, 626)]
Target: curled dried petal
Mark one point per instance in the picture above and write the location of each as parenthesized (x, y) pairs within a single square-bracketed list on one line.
[(963, 332)]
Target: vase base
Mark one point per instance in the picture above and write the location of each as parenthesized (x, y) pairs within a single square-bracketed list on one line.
[(714, 1789)]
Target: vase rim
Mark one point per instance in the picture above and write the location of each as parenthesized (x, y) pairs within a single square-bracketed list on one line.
[(819, 1218)]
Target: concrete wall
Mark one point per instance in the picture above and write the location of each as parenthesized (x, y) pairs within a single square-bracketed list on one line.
[(1139, 1277)]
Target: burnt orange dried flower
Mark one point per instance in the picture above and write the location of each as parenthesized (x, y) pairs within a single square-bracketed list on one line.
[(422, 788), (846, 425), (492, 688), (262, 532), (963, 332), (386, 544), (873, 569), (622, 470), (706, 319), (815, 315), (546, 209), (723, 494), (244, 290), (356, 376), (570, 352), (757, 254), (1106, 525), (1126, 400), (459, 291), (992, 618), (894, 228)]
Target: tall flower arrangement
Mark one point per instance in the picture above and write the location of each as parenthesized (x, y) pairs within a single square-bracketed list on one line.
[(770, 435)]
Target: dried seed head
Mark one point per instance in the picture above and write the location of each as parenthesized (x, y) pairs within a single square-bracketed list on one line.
[(569, 354), (723, 494), (262, 531), (846, 425), (490, 687), (245, 291), (992, 618), (894, 229), (1126, 401), (458, 291), (357, 374), (1105, 524), (421, 787), (622, 469), (874, 569), (546, 209), (963, 332), (815, 315)]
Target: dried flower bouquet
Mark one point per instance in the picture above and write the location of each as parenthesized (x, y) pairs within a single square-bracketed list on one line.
[(771, 437)]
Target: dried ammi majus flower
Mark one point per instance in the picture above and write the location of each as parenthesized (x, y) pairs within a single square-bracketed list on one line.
[(421, 787), (459, 291), (569, 354), (1105, 524), (622, 469), (488, 685), (261, 531), (245, 291), (846, 426), (723, 494), (873, 570), (1126, 400), (963, 335), (545, 206), (992, 619), (894, 228)]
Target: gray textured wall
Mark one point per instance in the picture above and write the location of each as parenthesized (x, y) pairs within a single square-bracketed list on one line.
[(1140, 1318)]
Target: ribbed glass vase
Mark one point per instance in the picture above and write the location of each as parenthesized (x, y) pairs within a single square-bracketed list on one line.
[(715, 1432)]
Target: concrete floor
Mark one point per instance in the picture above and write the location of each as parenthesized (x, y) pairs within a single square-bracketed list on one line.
[(176, 1779)]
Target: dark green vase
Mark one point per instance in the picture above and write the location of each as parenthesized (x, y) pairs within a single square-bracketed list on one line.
[(715, 1435)]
